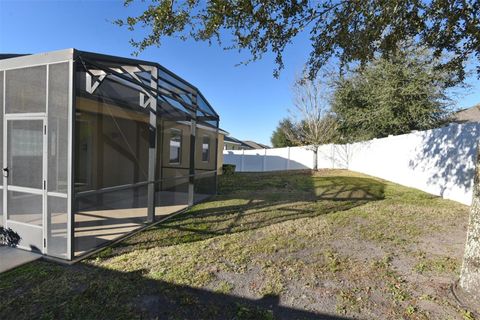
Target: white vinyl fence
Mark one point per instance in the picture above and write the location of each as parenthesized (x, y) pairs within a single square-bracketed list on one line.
[(439, 161)]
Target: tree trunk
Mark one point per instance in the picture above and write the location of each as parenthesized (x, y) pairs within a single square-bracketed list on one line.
[(470, 273), (315, 159)]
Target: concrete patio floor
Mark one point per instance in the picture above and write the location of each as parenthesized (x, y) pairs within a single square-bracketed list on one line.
[(12, 257)]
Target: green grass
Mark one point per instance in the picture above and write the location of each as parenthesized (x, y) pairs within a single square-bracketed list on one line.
[(328, 242), (436, 264)]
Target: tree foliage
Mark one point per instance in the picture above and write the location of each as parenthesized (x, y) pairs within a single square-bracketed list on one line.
[(279, 137), (392, 96), (9, 237), (352, 31)]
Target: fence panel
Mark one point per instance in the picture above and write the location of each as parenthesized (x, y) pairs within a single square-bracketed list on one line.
[(277, 159), (301, 158)]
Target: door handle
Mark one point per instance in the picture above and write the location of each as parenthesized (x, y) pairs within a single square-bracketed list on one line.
[(5, 172)]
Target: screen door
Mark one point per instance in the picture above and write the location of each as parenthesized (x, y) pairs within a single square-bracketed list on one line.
[(24, 179)]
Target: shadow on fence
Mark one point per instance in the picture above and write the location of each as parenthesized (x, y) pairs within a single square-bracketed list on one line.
[(261, 162), (451, 150), (298, 158)]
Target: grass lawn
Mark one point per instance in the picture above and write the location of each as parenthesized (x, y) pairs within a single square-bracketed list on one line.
[(328, 245)]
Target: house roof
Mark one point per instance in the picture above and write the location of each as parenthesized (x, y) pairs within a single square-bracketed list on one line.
[(232, 140), (236, 141), (11, 55), (224, 132), (471, 114), (255, 145)]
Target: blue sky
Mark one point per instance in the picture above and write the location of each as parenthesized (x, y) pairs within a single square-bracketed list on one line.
[(249, 99)]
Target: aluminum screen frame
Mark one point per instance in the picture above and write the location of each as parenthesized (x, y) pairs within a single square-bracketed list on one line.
[(162, 93), (45, 61)]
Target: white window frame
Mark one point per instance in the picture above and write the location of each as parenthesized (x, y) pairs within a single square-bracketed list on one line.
[(208, 148), (180, 132)]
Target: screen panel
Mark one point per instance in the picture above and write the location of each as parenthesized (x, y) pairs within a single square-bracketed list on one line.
[(171, 195), (1, 145), (25, 90), (25, 153), (25, 207), (111, 148), (111, 145), (31, 237), (57, 227), (58, 127), (205, 185), (105, 216)]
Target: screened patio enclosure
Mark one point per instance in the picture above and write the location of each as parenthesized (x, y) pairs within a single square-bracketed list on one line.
[(96, 146)]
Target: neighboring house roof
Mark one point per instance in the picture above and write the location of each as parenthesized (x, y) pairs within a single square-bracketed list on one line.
[(256, 145), (221, 131), (232, 140), (11, 55), (471, 114), (235, 141), (246, 144)]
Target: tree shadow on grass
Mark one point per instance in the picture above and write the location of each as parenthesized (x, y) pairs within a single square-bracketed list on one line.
[(260, 200), (83, 291), (340, 188)]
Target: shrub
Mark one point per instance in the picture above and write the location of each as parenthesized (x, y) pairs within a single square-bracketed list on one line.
[(228, 169), (9, 237)]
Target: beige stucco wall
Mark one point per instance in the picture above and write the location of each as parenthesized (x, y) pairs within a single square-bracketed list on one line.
[(199, 136), (166, 170), (170, 170)]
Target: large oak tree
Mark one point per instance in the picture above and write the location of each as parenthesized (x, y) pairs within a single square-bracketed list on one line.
[(392, 96)]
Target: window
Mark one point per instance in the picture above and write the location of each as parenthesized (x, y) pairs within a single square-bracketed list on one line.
[(206, 148), (175, 145)]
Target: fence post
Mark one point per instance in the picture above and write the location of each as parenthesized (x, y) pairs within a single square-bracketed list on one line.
[(333, 156), (288, 158), (242, 160), (264, 164)]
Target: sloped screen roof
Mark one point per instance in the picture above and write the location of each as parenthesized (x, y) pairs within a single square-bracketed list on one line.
[(135, 81)]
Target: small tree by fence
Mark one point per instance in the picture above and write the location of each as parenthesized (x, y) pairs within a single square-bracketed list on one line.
[(313, 123)]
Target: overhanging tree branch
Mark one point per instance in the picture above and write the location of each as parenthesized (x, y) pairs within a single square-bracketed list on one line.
[(353, 31)]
